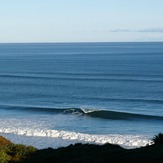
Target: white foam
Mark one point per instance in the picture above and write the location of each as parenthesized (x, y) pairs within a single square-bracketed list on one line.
[(88, 110), (123, 140)]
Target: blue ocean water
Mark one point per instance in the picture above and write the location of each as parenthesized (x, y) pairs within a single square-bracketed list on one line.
[(82, 91)]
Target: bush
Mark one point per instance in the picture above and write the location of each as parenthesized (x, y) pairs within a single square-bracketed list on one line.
[(4, 158), (19, 151), (15, 152), (158, 139)]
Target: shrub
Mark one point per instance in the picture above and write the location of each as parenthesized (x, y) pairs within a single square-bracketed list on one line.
[(4, 158), (19, 151), (158, 139), (15, 152)]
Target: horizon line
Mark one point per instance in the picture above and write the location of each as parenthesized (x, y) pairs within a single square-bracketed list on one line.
[(69, 42)]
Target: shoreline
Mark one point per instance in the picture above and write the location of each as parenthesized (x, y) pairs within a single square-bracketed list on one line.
[(38, 142), (10, 152), (41, 142)]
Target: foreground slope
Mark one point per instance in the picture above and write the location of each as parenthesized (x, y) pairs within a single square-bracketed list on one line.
[(82, 153)]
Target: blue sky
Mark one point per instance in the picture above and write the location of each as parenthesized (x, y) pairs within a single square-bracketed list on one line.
[(81, 20)]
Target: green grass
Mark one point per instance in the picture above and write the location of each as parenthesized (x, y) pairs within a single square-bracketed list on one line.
[(14, 152)]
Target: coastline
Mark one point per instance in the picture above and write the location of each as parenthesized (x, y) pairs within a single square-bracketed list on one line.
[(65, 139), (38, 142), (79, 152)]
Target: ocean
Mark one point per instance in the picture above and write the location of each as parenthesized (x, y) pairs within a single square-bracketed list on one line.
[(55, 94)]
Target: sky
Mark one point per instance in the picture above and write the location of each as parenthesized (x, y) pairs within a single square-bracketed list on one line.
[(81, 20)]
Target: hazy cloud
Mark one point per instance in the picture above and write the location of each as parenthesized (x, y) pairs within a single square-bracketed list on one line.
[(121, 30), (153, 36), (151, 30), (157, 29)]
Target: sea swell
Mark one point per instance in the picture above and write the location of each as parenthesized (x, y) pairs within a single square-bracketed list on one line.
[(83, 78), (93, 113)]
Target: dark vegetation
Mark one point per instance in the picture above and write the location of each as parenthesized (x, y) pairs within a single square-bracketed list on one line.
[(158, 139), (82, 153), (10, 152)]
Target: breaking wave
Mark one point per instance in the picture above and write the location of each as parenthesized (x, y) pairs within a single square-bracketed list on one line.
[(102, 114), (123, 140)]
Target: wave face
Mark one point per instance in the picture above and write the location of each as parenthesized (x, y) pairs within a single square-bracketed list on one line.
[(102, 114), (122, 115)]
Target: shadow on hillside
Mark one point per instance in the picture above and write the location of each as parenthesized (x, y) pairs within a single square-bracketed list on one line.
[(88, 153)]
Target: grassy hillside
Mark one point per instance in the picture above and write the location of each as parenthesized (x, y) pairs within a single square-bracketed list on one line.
[(99, 154), (10, 152), (82, 153)]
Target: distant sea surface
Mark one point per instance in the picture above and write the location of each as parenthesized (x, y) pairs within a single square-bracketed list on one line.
[(82, 92)]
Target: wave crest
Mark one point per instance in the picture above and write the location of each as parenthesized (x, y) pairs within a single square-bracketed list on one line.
[(102, 114)]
